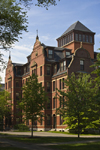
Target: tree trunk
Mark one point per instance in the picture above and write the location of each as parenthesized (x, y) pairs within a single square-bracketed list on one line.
[(78, 127), (32, 127)]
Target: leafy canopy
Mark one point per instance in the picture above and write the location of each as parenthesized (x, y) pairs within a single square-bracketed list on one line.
[(34, 99), (13, 21), (78, 101)]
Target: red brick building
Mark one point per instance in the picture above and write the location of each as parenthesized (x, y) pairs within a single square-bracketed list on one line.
[(75, 53)]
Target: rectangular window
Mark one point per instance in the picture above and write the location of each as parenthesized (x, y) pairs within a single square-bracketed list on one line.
[(83, 38), (61, 120), (41, 71), (66, 40), (24, 69), (67, 54), (80, 37), (48, 120), (90, 39), (53, 85), (64, 65), (9, 84), (48, 104), (17, 84), (72, 37), (6, 86), (53, 102), (55, 69), (28, 68), (34, 71), (81, 64), (61, 66), (60, 84), (48, 70), (41, 120), (63, 83), (87, 38), (50, 54), (76, 37), (48, 86), (60, 102), (23, 81), (17, 96)]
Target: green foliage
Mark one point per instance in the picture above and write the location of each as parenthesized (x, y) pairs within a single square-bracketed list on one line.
[(79, 110), (12, 22), (21, 127), (34, 99), (97, 69), (40, 3), (4, 96)]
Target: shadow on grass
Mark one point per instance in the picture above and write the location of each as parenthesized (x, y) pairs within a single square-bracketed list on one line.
[(81, 146), (40, 140)]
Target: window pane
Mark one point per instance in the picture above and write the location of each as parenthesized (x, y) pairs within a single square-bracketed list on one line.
[(53, 102), (53, 85), (83, 38), (67, 53), (90, 39), (81, 62), (48, 70), (41, 71), (80, 37), (64, 65), (87, 39), (61, 66), (72, 36), (76, 37)]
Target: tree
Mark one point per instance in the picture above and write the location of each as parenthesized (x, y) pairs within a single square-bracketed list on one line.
[(34, 99), (13, 21), (41, 3), (4, 96), (96, 72), (78, 102)]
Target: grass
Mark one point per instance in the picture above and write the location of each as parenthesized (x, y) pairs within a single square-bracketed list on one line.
[(10, 148), (71, 133), (37, 140), (80, 146)]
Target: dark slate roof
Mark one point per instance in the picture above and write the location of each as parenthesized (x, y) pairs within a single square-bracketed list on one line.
[(54, 48), (59, 73), (77, 26)]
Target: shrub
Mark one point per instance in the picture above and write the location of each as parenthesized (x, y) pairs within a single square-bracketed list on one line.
[(21, 127)]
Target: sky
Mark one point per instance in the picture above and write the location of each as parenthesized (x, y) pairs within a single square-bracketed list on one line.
[(52, 23)]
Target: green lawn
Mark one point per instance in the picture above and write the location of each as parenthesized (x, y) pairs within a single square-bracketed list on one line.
[(49, 139), (81, 146), (10, 148)]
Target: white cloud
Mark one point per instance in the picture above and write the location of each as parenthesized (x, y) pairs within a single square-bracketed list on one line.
[(44, 38), (98, 35)]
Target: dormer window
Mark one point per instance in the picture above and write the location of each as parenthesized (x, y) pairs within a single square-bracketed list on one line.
[(67, 54), (50, 54), (81, 64), (63, 66)]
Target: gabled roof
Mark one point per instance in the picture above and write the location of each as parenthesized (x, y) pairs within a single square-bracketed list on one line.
[(77, 26)]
